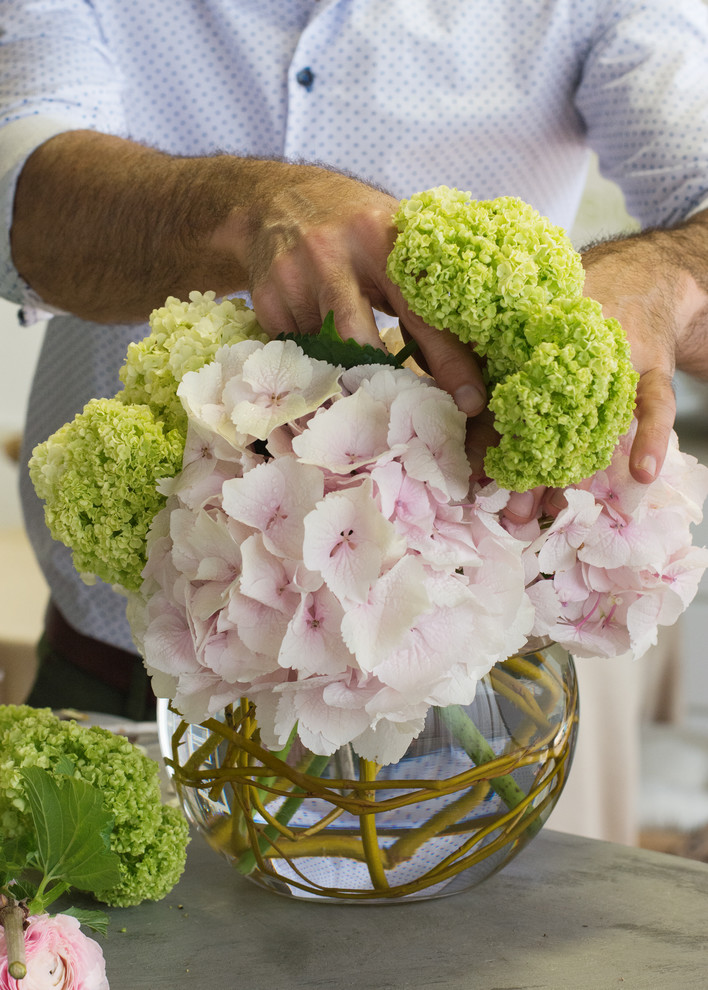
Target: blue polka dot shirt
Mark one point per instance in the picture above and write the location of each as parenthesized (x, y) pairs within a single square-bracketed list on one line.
[(498, 97)]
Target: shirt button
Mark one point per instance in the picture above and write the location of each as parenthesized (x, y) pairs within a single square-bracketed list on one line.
[(306, 77)]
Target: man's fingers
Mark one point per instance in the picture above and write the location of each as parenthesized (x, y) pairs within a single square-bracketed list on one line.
[(272, 314), (522, 507), (353, 315), (656, 412), (451, 363), (554, 501), (480, 436)]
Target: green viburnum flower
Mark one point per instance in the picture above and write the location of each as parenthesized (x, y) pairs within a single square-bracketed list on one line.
[(149, 838), (97, 477), (561, 413), (505, 279), (183, 337)]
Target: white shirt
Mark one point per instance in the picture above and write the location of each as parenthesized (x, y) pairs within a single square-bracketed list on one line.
[(492, 96)]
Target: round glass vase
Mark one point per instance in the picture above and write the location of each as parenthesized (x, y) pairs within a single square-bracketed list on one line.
[(471, 791)]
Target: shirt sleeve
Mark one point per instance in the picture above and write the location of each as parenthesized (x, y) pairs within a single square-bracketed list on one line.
[(643, 96), (56, 75)]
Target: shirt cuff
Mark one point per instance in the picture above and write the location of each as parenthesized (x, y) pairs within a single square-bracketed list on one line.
[(18, 140), (697, 209)]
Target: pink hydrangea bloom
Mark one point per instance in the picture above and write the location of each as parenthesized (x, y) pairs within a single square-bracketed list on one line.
[(323, 554), (619, 558)]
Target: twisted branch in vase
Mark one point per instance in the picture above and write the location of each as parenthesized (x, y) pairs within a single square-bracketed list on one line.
[(258, 777)]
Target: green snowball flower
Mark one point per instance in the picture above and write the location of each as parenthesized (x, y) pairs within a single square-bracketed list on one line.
[(183, 337), (97, 477), (561, 413), (502, 277), (149, 838)]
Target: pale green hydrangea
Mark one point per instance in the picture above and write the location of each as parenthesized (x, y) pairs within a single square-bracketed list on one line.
[(183, 337), (468, 264), (149, 838), (560, 414), (98, 474), (505, 279), (97, 477)]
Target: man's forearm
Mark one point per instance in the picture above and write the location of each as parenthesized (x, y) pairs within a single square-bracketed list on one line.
[(102, 226), (107, 229)]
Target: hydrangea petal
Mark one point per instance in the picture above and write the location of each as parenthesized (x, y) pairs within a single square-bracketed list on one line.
[(372, 629), (265, 578), (349, 542), (274, 498), (349, 434), (279, 383), (313, 640)]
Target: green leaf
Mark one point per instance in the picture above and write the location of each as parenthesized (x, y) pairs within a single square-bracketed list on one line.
[(14, 858), (21, 889), (73, 831), (97, 921), (328, 330), (328, 346), (65, 766)]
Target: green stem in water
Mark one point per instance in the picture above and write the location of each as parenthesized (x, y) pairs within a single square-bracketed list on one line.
[(479, 750), (281, 754)]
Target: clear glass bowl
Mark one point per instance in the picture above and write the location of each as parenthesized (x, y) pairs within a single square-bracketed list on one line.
[(472, 790)]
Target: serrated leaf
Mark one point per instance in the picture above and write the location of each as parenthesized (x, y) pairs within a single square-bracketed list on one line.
[(97, 921), (72, 828), (328, 346)]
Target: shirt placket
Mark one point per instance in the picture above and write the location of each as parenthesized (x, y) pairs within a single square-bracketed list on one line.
[(305, 78)]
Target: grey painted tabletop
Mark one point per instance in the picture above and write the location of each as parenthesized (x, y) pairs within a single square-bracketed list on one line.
[(566, 914)]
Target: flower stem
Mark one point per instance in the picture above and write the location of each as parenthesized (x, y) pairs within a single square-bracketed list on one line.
[(479, 750), (12, 919), (409, 843), (247, 862), (367, 824), (47, 894)]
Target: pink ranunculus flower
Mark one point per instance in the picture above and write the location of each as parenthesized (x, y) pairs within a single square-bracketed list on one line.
[(59, 957)]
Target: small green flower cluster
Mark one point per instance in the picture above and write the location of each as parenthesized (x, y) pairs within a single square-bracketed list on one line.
[(502, 277), (183, 337), (97, 476), (150, 838)]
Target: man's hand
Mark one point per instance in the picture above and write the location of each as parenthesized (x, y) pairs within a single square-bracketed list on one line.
[(624, 277), (656, 285), (107, 229), (314, 240)]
